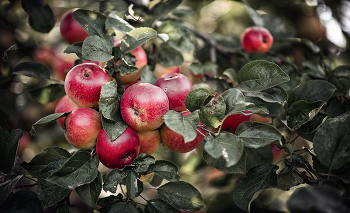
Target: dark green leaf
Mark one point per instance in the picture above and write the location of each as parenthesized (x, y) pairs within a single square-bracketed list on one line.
[(76, 48), (163, 8), (112, 180), (196, 68), (156, 181), (117, 23), (46, 120), (136, 37), (235, 101), (48, 94), (80, 169), (258, 156), (314, 68), (314, 124), (331, 142), (32, 69), (109, 101), (63, 208), (196, 98), (8, 146), (220, 164), (309, 44), (231, 73), (119, 7), (97, 49), (259, 105), (92, 22), (10, 51), (185, 126), (7, 186), (126, 69), (159, 206), (49, 169), (123, 207), (129, 59), (260, 75), (107, 202), (23, 201), (297, 161), (182, 196), (262, 176), (41, 16), (50, 193), (90, 192), (312, 91), (275, 95), (213, 113), (226, 145), (133, 185), (183, 11), (169, 57), (340, 78), (114, 129), (256, 134), (165, 169), (142, 162), (148, 76), (288, 179), (301, 112)]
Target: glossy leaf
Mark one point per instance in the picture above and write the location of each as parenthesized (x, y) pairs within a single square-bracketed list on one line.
[(165, 169), (50, 194), (123, 207), (169, 57), (159, 206), (97, 49), (133, 185), (314, 124), (340, 78), (220, 164), (196, 98), (136, 37), (213, 113), (48, 94), (117, 23), (235, 101), (32, 69), (259, 105), (275, 95), (142, 162), (182, 196), (258, 156), (163, 8), (113, 178), (76, 48), (22, 201), (92, 22), (8, 146), (263, 176), (49, 169), (7, 186), (46, 120), (89, 193), (109, 101), (114, 129), (41, 16)]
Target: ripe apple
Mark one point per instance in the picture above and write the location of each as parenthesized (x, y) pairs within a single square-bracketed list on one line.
[(149, 140), (176, 86), (143, 106), (70, 29), (120, 152), (61, 66), (231, 123), (82, 128), (176, 142), (277, 153), (64, 105), (83, 84), (256, 39), (160, 70), (45, 55)]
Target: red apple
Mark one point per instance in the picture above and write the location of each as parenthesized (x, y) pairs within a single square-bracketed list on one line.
[(231, 123), (83, 84), (82, 128), (60, 67), (70, 29), (176, 142), (45, 55), (128, 85), (64, 105), (160, 70), (256, 39), (176, 86), (149, 141), (120, 152), (277, 153), (143, 106)]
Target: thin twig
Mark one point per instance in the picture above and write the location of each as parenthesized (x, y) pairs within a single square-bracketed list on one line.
[(208, 131)]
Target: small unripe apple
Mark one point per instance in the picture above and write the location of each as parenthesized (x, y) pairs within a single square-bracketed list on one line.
[(176, 142), (231, 123), (82, 128), (70, 29), (120, 152), (83, 84), (143, 106), (160, 70), (256, 39), (176, 86), (64, 105), (149, 140)]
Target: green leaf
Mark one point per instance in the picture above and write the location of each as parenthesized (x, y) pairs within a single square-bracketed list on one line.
[(231, 73), (288, 180), (185, 126), (112, 180), (48, 94), (331, 142), (163, 8), (49, 169), (312, 91), (260, 75), (274, 95), (136, 37), (114, 129), (259, 105), (119, 7), (76, 48), (109, 201), (301, 112), (263, 176), (80, 169), (256, 134), (41, 16), (258, 156), (156, 181), (92, 22), (8, 146), (182, 196), (235, 101), (10, 51), (50, 194), (142, 162), (90, 192), (148, 76), (309, 44), (172, 29), (165, 169), (196, 68), (213, 113), (169, 57), (225, 145), (314, 124), (7, 186), (340, 78), (126, 69), (123, 207), (133, 185), (196, 98), (46, 120), (32, 69), (220, 164), (117, 23), (109, 101), (22, 201), (314, 69), (97, 49), (159, 206), (63, 208)]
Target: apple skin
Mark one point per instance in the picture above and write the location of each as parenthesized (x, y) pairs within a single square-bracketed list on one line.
[(231, 123), (160, 70), (175, 142), (256, 39), (70, 29), (176, 86), (64, 105), (82, 128), (143, 106), (60, 67), (277, 154), (83, 84), (45, 55), (150, 141), (120, 152)]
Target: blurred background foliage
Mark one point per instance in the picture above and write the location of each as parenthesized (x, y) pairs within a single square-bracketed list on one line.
[(326, 23)]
